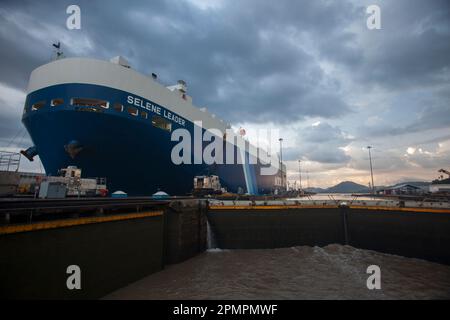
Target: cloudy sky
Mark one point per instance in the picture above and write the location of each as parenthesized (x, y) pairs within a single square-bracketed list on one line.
[(311, 69)]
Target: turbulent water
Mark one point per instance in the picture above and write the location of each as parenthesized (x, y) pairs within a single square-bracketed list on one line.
[(332, 272)]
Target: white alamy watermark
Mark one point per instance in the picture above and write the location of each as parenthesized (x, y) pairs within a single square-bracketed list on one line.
[(73, 282), (213, 146), (374, 20), (374, 280), (73, 22)]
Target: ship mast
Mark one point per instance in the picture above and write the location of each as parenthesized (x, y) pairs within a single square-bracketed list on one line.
[(58, 52)]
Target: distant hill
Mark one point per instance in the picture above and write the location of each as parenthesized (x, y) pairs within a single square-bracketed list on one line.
[(352, 187), (420, 184), (343, 187), (315, 190), (348, 187)]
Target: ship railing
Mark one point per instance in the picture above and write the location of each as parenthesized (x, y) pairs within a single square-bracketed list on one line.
[(9, 161)]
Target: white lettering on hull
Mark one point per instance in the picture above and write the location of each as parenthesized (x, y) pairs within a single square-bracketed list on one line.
[(138, 102)]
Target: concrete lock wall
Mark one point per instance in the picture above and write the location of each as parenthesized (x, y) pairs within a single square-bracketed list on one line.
[(261, 229), (185, 230), (110, 255), (415, 234), (113, 254), (424, 235)]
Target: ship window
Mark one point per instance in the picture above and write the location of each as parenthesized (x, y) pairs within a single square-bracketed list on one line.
[(82, 102), (38, 105), (56, 102), (144, 114), (88, 109), (132, 110), (161, 123), (118, 107)]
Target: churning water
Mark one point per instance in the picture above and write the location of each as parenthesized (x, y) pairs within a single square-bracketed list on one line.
[(332, 272)]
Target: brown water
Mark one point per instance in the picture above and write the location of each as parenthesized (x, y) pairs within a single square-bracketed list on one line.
[(332, 272)]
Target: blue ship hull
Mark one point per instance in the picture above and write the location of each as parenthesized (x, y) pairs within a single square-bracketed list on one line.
[(129, 151)]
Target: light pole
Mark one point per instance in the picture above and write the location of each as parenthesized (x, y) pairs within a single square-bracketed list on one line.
[(281, 160), (300, 174), (371, 170), (307, 179)]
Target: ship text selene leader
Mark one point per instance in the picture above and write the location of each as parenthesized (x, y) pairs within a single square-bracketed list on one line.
[(113, 122)]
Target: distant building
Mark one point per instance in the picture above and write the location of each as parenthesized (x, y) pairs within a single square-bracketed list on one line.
[(401, 189), (441, 187)]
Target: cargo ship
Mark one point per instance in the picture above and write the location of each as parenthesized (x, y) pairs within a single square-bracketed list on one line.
[(114, 122)]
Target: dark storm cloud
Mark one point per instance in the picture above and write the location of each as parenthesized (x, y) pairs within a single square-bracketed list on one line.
[(10, 129), (12, 132), (239, 58), (254, 61), (433, 114), (412, 48), (17, 58), (322, 143)]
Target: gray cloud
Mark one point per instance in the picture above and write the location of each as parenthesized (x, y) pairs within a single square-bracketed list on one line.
[(320, 143), (432, 113), (257, 61), (241, 58), (411, 50), (12, 132), (244, 58)]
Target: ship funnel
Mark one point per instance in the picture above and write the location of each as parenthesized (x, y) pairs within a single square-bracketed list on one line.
[(30, 153)]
